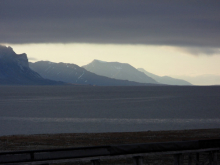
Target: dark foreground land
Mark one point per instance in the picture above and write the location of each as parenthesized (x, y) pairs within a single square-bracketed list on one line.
[(46, 141)]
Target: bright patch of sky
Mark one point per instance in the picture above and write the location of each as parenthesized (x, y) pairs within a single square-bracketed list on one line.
[(160, 60)]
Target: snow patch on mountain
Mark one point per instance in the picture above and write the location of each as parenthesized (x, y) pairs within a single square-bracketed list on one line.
[(81, 75)]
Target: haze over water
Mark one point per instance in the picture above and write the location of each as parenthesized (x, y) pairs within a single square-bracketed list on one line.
[(74, 109)]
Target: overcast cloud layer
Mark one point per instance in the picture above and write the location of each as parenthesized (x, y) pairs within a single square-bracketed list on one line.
[(164, 22)]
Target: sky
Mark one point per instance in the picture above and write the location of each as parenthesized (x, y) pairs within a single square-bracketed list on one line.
[(165, 37)]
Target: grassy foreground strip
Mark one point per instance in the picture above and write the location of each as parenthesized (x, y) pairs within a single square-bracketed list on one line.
[(46, 141)]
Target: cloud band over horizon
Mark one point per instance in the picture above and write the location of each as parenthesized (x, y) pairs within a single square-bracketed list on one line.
[(160, 22)]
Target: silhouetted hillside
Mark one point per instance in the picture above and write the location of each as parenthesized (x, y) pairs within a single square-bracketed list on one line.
[(14, 70)]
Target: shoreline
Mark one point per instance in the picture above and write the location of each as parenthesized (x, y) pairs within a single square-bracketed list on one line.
[(63, 140)]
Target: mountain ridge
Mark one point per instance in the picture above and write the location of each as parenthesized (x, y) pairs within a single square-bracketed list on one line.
[(72, 73), (14, 70), (121, 71), (165, 79)]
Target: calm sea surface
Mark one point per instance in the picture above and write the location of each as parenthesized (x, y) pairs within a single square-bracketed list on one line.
[(66, 109)]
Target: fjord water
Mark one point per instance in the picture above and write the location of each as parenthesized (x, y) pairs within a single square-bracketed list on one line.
[(75, 109)]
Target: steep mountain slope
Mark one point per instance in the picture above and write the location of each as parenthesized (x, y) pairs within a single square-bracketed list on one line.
[(165, 79), (14, 70), (118, 71), (74, 74)]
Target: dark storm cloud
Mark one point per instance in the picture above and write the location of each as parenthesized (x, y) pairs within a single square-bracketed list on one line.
[(201, 50), (158, 22)]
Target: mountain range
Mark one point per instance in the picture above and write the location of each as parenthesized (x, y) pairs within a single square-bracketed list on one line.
[(125, 71), (14, 70), (74, 74)]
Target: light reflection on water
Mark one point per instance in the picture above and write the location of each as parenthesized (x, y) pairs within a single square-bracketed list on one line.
[(43, 110), (111, 121), (34, 125)]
